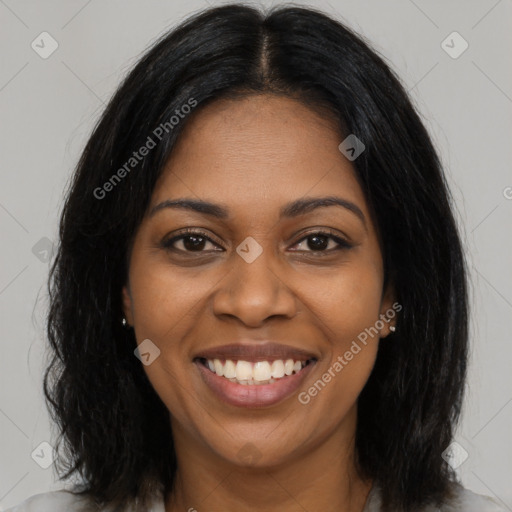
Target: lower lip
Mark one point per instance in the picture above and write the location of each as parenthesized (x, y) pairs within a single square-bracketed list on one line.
[(256, 395)]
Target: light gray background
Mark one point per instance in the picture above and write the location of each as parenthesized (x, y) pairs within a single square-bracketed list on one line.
[(48, 108)]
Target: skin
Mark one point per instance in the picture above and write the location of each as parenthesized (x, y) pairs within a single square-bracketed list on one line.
[(254, 155)]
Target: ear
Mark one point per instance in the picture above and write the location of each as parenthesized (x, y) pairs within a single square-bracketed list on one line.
[(127, 305), (388, 311)]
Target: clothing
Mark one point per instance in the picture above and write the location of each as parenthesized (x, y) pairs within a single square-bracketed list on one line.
[(464, 501), (63, 501)]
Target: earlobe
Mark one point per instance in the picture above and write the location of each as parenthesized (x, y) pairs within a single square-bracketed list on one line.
[(387, 324), (389, 312), (127, 305)]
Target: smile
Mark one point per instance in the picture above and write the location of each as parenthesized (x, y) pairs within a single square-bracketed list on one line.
[(253, 383), (254, 373)]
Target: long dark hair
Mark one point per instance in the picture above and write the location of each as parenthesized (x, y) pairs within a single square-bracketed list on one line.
[(114, 431)]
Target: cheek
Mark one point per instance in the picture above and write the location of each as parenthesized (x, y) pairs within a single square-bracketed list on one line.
[(166, 302), (164, 296), (337, 387), (349, 323), (163, 309), (347, 303), (347, 313)]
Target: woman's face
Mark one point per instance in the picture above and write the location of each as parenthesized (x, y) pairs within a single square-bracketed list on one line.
[(262, 277)]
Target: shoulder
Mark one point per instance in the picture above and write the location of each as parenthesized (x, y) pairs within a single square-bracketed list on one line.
[(66, 501), (462, 500), (54, 501), (469, 501)]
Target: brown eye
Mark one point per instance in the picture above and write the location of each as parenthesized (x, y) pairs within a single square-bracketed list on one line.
[(191, 241), (197, 241), (319, 242)]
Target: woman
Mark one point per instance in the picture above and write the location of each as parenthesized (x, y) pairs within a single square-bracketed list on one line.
[(259, 299)]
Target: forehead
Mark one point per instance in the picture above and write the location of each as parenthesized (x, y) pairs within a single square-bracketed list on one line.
[(255, 151)]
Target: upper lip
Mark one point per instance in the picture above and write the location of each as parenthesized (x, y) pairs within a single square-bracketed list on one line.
[(268, 351)]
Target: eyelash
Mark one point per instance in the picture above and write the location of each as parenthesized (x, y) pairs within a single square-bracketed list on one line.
[(342, 244)]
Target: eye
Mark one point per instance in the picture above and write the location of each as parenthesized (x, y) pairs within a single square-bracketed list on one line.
[(195, 241), (318, 242), (191, 241)]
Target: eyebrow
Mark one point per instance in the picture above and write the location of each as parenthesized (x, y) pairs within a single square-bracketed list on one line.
[(289, 210)]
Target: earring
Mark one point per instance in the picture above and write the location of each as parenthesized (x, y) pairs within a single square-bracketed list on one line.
[(392, 328), (124, 322)]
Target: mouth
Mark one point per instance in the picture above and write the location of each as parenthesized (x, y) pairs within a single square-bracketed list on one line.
[(253, 384), (254, 373)]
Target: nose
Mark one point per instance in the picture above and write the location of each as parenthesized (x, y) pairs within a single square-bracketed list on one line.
[(254, 292)]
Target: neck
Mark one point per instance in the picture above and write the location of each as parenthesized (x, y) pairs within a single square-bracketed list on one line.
[(322, 478)]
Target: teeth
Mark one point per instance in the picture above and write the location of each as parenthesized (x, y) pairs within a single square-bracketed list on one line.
[(243, 370), (288, 367), (219, 368), (259, 372), (229, 370), (277, 370)]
